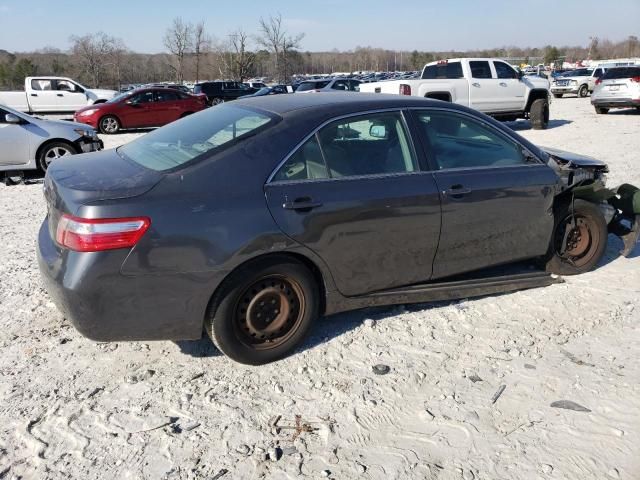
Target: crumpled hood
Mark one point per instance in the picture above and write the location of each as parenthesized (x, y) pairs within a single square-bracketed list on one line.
[(571, 159)]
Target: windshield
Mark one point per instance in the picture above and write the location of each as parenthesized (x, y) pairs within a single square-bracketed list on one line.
[(194, 136), (119, 97)]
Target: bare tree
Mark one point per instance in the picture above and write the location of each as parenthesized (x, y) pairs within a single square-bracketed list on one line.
[(279, 43), (201, 45), (235, 59), (178, 40), (116, 56), (93, 51)]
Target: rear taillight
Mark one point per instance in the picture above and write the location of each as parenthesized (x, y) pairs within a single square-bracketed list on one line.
[(405, 89), (598, 81), (95, 235), (635, 79)]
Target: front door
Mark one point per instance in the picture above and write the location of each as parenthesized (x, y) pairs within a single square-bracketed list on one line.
[(497, 199), (137, 110), (14, 142), (511, 89), (354, 194), (70, 97)]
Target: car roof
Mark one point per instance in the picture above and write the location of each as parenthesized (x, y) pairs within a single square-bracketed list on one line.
[(340, 102)]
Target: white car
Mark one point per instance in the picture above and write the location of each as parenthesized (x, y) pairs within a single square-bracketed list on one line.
[(54, 95), (30, 143), (489, 85), (619, 87)]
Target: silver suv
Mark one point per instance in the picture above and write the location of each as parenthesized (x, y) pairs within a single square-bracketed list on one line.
[(618, 88), (580, 82)]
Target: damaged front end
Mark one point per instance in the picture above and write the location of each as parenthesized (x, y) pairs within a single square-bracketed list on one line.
[(584, 178)]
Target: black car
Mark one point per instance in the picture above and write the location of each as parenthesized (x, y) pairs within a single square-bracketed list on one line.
[(251, 219), (220, 92), (273, 90)]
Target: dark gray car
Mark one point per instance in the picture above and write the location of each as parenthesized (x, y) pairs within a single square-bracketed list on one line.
[(250, 220)]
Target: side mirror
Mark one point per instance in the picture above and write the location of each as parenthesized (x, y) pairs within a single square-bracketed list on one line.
[(12, 119), (378, 131), (520, 74)]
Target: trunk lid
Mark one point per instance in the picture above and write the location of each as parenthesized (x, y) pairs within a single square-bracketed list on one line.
[(91, 178)]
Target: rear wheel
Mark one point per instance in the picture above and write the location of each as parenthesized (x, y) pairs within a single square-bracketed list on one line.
[(579, 239), (583, 91), (263, 311), (601, 110), (539, 114), (109, 125), (54, 151), (558, 95)]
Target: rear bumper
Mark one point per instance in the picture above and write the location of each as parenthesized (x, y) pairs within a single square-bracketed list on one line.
[(613, 102), (104, 305)]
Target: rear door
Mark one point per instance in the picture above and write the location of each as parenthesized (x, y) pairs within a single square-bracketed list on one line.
[(14, 142), (484, 92), (511, 90), (43, 97), (354, 194), (496, 198), (168, 106)]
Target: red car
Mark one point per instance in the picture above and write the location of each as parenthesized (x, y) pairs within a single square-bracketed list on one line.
[(146, 107)]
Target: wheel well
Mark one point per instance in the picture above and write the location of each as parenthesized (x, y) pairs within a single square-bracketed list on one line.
[(54, 140), (444, 96), (535, 95), (313, 268), (99, 101)]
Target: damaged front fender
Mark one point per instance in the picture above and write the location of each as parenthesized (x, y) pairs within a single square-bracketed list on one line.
[(625, 200)]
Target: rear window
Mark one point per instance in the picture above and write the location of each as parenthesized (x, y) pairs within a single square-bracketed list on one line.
[(306, 86), (195, 136), (621, 72), (443, 70)]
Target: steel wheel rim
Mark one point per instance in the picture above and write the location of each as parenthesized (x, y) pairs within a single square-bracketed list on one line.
[(55, 152), (269, 312), (109, 125), (575, 240)]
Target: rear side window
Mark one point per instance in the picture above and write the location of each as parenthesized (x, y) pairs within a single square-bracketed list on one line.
[(305, 164), (41, 85), (195, 136), (443, 70), (480, 69), (621, 72)]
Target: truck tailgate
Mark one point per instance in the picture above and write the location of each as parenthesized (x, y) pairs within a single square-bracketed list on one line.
[(16, 100)]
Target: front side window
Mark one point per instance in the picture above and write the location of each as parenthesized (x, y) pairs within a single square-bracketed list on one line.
[(65, 86), (504, 71), (459, 141), (480, 69), (196, 136), (142, 97)]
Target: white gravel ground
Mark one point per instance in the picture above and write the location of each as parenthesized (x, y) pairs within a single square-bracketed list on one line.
[(72, 408)]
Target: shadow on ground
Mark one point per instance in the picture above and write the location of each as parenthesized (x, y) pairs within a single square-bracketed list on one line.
[(526, 125)]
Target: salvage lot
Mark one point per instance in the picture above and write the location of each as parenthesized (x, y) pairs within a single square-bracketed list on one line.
[(71, 408)]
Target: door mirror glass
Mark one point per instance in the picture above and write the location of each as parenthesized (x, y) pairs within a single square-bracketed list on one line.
[(13, 119), (378, 131)]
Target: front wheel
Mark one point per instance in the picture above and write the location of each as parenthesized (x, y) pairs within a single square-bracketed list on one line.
[(263, 311), (579, 239), (584, 91), (54, 151), (601, 110), (539, 114), (109, 125)]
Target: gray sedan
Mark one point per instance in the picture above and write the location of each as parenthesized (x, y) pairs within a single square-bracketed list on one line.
[(29, 143), (251, 219)]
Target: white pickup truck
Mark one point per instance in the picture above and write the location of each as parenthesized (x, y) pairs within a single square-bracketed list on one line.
[(489, 85), (53, 95)]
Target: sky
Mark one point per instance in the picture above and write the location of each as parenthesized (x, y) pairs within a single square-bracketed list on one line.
[(327, 24)]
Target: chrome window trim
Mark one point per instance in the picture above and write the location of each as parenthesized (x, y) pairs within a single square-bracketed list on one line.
[(399, 110)]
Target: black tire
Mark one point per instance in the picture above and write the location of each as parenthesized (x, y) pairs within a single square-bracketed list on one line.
[(583, 91), (280, 289), (579, 238), (601, 110), (109, 125), (217, 101), (539, 114), (52, 151), (558, 95), (13, 178)]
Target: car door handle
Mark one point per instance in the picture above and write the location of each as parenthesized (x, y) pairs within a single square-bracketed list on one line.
[(304, 203), (457, 191), (476, 84), (34, 94), (503, 84), (59, 94)]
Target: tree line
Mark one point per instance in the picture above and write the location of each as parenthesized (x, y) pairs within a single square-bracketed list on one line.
[(192, 54)]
